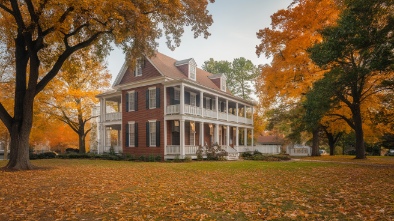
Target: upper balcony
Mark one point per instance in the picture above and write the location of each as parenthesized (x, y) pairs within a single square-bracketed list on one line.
[(110, 108), (206, 105)]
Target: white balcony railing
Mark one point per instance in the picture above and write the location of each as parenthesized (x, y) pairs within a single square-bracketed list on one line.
[(113, 116), (192, 110), (173, 109), (209, 113), (232, 117), (222, 116)]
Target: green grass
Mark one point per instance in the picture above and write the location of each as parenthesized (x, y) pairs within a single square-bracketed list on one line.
[(224, 190)]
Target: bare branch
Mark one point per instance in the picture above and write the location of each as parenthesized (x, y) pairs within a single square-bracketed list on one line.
[(5, 117)]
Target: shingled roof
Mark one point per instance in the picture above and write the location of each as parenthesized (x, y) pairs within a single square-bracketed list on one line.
[(167, 67)]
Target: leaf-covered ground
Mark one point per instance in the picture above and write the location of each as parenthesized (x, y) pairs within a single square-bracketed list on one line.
[(242, 190)]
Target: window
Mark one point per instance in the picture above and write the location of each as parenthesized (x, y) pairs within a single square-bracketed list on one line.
[(208, 103), (192, 99), (177, 94), (131, 134), (192, 71), (223, 83), (138, 67), (152, 98), (131, 101), (152, 134)]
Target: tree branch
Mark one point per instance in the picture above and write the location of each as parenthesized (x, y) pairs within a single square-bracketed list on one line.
[(348, 121), (5, 117), (7, 9)]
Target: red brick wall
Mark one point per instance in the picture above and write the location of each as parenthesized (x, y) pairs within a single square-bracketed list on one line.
[(141, 116), (148, 71)]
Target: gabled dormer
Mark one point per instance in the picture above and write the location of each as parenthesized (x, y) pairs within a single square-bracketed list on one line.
[(219, 80), (188, 67)]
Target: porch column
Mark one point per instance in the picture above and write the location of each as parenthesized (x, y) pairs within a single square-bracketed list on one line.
[(182, 99), (202, 103), (102, 109), (252, 139), (252, 115), (227, 111), (165, 132), (165, 106), (202, 133), (217, 107), (228, 135), (245, 137), (216, 134), (236, 111), (236, 138), (182, 138)]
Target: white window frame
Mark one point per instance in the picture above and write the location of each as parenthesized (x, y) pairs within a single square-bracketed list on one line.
[(208, 103), (152, 98), (192, 71), (223, 84), (193, 99), (131, 101), (138, 67), (152, 133), (177, 94), (131, 126)]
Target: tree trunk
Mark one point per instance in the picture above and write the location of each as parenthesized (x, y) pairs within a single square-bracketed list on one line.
[(81, 139), (315, 142), (358, 129)]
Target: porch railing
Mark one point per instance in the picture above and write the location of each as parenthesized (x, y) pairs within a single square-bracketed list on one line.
[(173, 149), (209, 113), (191, 149), (173, 109), (113, 116), (193, 110)]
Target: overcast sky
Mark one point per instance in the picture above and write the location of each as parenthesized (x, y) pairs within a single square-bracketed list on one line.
[(233, 34)]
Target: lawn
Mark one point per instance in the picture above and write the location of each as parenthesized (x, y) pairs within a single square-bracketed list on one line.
[(241, 190)]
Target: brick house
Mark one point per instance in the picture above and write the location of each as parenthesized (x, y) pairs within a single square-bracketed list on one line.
[(166, 107)]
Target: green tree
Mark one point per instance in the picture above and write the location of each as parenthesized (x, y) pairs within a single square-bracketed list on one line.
[(358, 54), (240, 74), (42, 34)]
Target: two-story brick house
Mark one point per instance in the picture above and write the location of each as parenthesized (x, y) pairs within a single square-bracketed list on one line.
[(169, 108)]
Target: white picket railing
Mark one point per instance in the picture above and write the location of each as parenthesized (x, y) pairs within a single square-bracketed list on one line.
[(113, 116), (173, 109), (209, 113), (222, 116), (173, 149), (232, 117), (192, 110), (191, 149)]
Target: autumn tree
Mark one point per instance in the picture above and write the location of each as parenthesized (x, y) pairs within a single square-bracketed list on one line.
[(70, 97), (358, 53), (291, 72), (240, 74), (45, 33)]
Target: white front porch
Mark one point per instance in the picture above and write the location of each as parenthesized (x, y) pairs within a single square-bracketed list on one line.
[(184, 137)]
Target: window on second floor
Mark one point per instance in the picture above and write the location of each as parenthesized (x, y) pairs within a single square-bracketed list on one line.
[(153, 98), (193, 99), (177, 94), (131, 101)]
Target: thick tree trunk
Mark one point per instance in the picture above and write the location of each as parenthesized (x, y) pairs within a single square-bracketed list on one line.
[(82, 146), (19, 151), (358, 129), (315, 142)]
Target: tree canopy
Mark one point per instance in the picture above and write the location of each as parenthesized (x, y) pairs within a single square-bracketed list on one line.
[(41, 35), (358, 53)]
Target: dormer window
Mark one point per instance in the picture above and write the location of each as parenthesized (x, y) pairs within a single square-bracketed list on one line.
[(223, 83), (192, 70)]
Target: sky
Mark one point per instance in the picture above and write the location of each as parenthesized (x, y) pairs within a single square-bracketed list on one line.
[(233, 34)]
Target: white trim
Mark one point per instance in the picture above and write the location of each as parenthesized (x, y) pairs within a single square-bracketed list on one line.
[(120, 74)]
